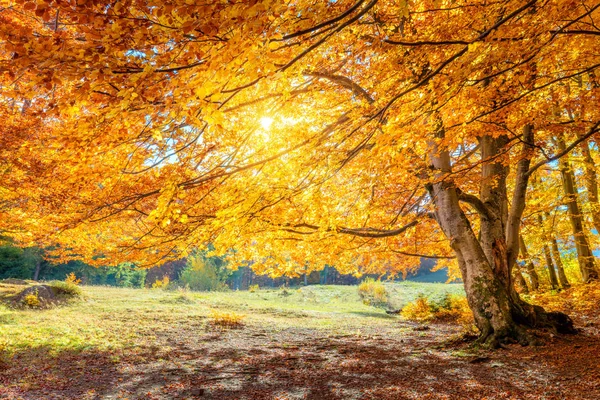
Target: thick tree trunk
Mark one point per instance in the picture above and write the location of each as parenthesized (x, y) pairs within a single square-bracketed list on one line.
[(533, 276), (485, 263), (587, 264), (564, 282)]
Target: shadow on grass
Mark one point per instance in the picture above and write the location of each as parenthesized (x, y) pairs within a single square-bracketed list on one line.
[(40, 373), (372, 314)]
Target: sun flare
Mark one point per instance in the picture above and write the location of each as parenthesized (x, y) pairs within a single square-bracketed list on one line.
[(266, 123)]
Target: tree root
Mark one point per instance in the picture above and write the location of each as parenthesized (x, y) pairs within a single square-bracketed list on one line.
[(527, 319)]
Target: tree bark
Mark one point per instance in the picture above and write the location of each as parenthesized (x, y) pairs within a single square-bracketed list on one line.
[(564, 282), (591, 183), (36, 273), (533, 276), (550, 267), (520, 280), (548, 256), (484, 263), (587, 264)]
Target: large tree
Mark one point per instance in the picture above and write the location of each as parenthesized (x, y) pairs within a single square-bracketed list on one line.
[(300, 133)]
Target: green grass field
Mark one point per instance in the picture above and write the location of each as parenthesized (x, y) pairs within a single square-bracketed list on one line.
[(111, 318)]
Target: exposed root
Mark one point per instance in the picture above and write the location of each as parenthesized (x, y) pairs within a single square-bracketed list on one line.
[(527, 318)]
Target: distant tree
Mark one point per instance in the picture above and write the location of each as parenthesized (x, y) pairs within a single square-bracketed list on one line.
[(204, 273), (21, 263)]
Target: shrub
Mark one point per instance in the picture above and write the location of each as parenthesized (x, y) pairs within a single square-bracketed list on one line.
[(127, 275), (456, 309), (32, 300), (453, 308), (203, 274), (161, 283), (65, 289), (253, 288), (373, 293), (72, 279), (226, 320), (420, 310)]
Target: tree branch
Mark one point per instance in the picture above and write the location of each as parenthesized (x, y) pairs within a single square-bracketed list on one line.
[(474, 201), (593, 129), (345, 82)]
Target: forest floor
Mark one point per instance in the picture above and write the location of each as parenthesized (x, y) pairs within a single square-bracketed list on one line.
[(310, 343)]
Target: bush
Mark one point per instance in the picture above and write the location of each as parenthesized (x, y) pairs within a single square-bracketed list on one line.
[(72, 279), (253, 288), (127, 275), (226, 320), (420, 310), (161, 283), (453, 308), (456, 309), (31, 300), (65, 289), (373, 293), (203, 274)]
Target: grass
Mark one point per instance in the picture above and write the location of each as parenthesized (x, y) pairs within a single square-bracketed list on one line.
[(109, 318)]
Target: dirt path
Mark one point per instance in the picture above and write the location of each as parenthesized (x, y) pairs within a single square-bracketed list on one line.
[(258, 363)]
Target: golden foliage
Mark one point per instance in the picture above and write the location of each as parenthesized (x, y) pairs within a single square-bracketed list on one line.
[(72, 279), (161, 283), (32, 300), (226, 320), (453, 308), (420, 310), (580, 298), (373, 293), (139, 133)]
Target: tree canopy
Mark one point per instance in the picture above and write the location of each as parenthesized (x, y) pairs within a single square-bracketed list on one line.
[(299, 133)]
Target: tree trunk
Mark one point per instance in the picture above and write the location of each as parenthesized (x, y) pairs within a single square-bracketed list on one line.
[(520, 280), (591, 183), (587, 264), (36, 273), (533, 276), (550, 267), (564, 282), (548, 256), (485, 265)]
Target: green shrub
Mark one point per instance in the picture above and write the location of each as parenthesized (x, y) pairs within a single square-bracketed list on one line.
[(373, 293), (203, 274), (67, 289), (127, 275)]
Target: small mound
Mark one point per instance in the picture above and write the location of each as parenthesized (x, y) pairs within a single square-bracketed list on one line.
[(45, 296), (39, 296)]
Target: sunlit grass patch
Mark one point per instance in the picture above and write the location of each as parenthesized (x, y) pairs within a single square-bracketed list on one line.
[(226, 320)]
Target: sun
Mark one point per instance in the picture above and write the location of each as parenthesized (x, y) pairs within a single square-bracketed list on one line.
[(266, 123)]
